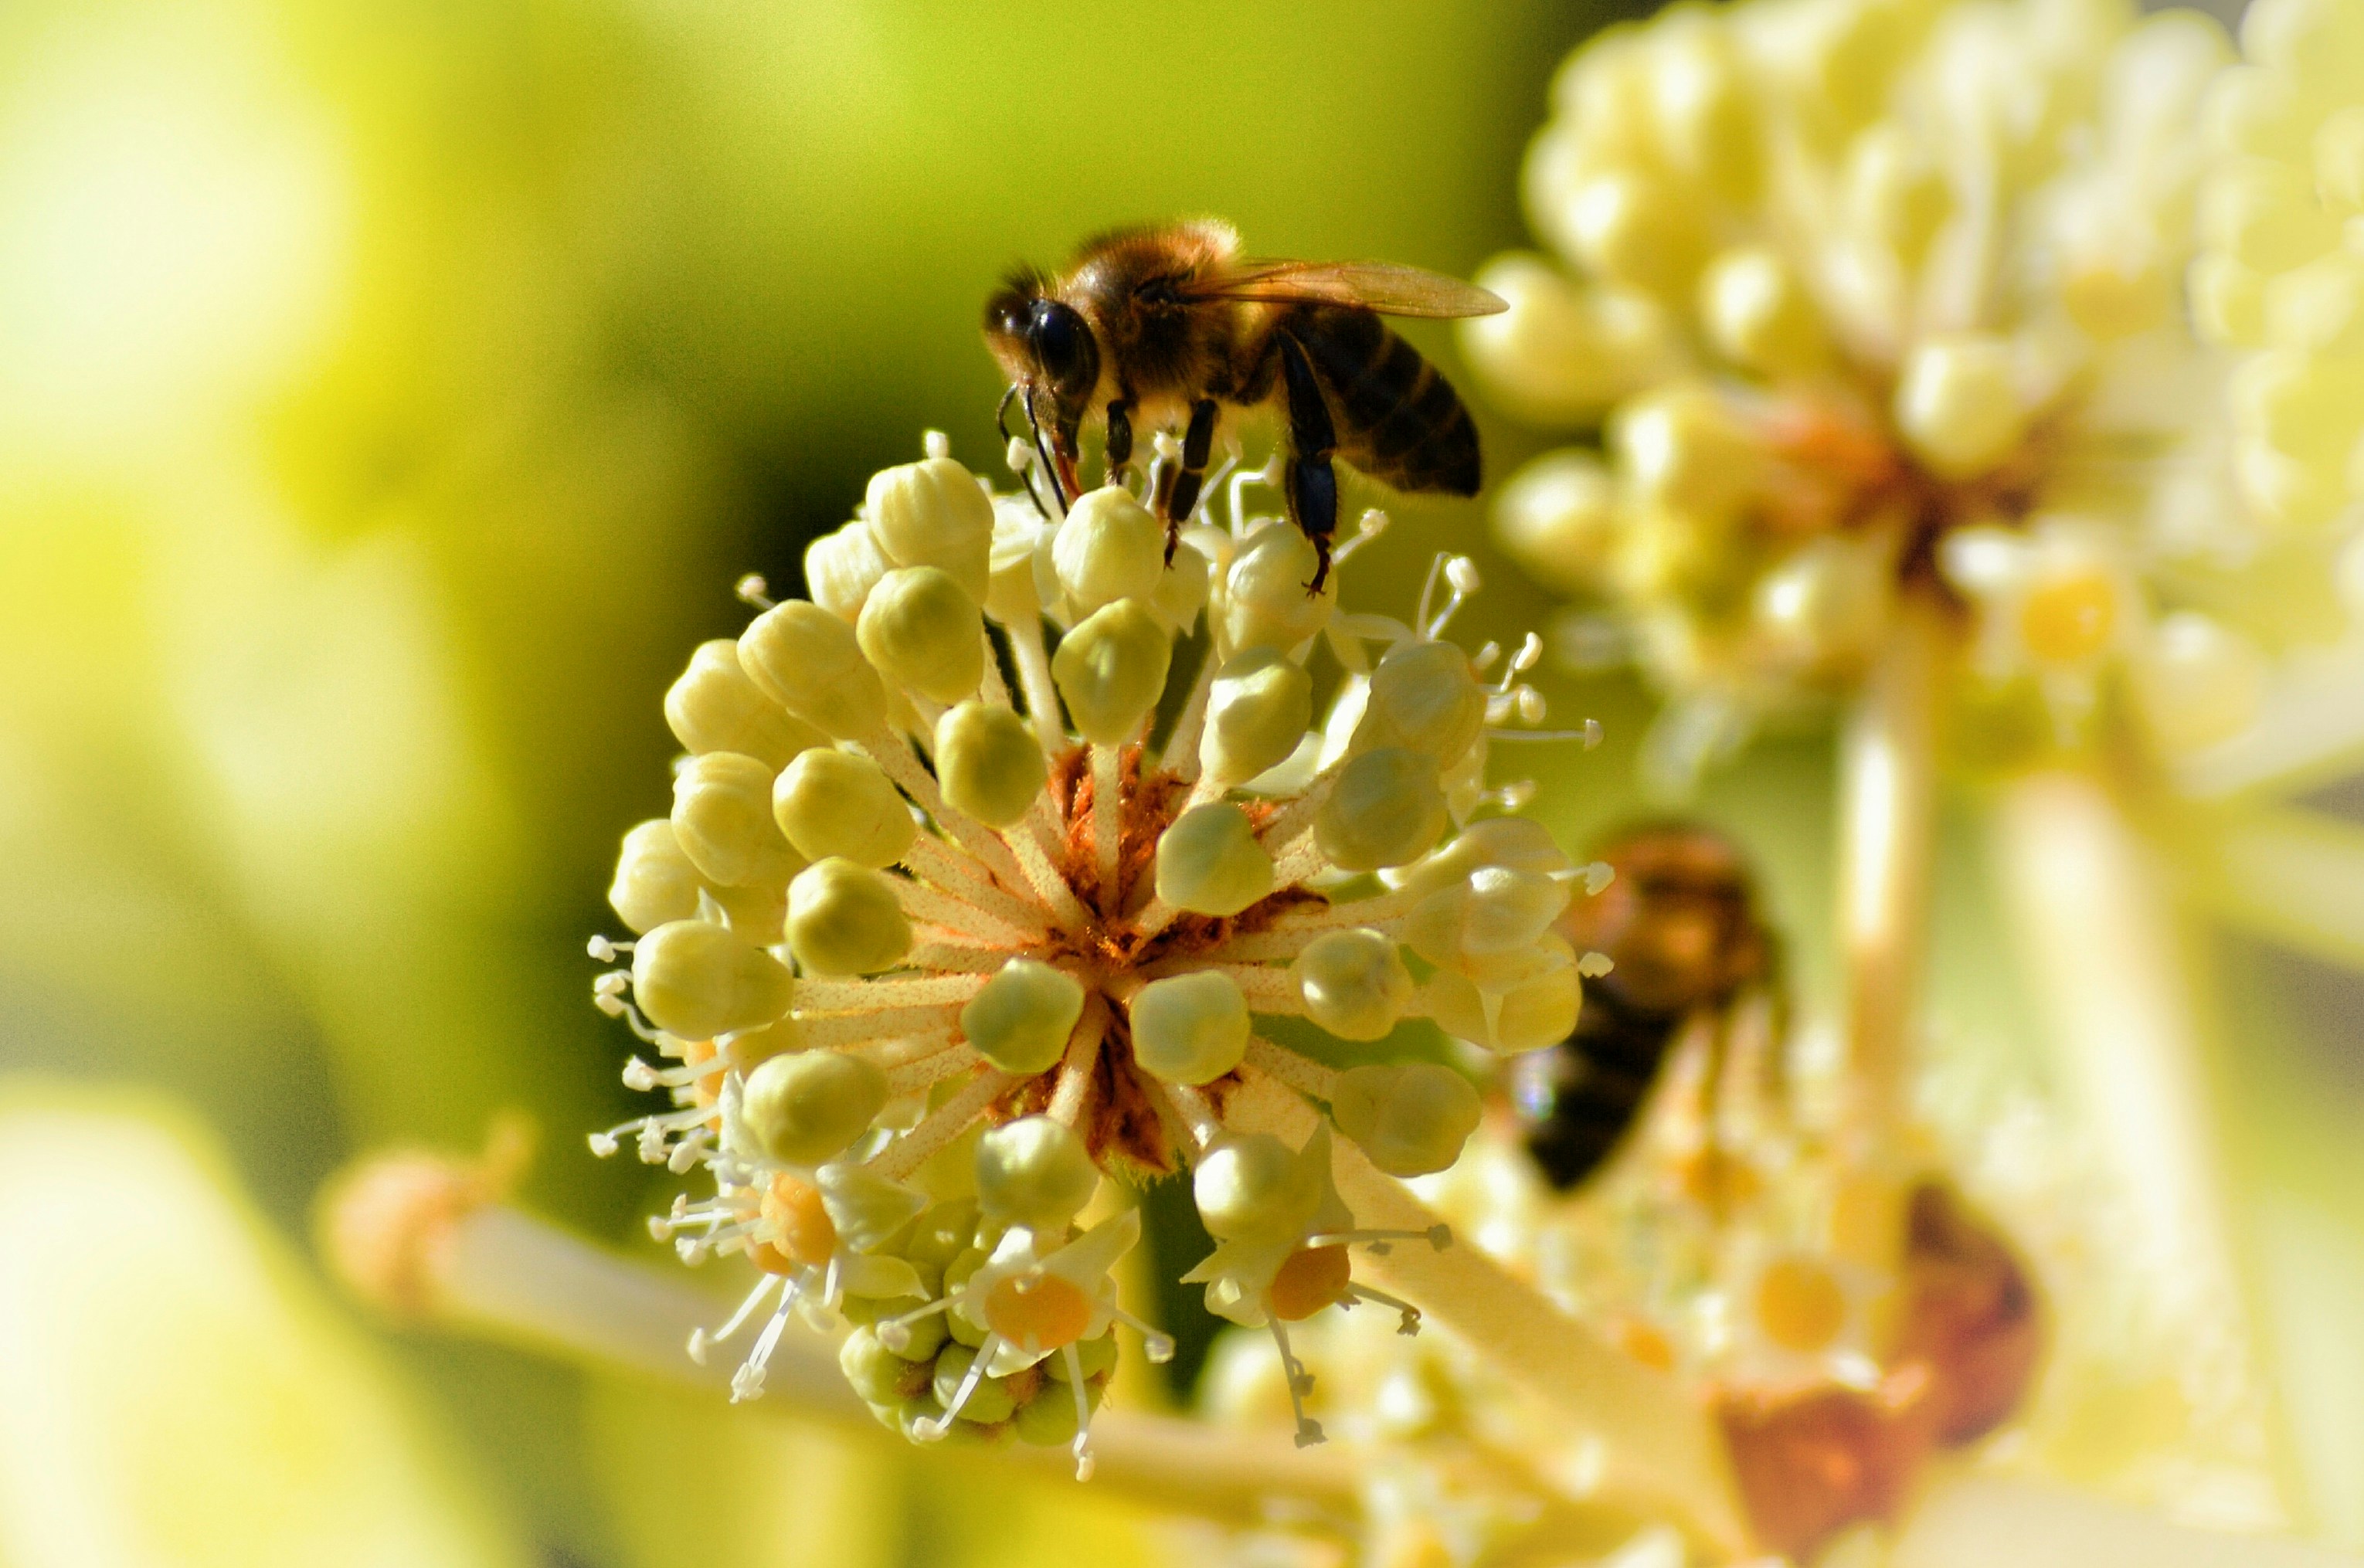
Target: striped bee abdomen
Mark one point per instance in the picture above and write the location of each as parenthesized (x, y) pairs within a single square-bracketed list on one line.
[(1399, 420)]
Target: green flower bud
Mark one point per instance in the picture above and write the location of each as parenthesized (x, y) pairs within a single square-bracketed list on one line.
[(865, 1208), (1099, 1358), (808, 660), (877, 1374), (1034, 1172), (1022, 1019), (1251, 1185), (1384, 810), (1355, 983), (1423, 698), (988, 763), (802, 1109), (1257, 710), (844, 918), (1189, 1028), (1957, 404), (1210, 862), (1265, 601), (715, 708), (988, 1401), (924, 633), (841, 568), (723, 818), (934, 513), (1109, 548), (1112, 671), (833, 803), (1412, 1118), (1048, 1420), (696, 980), (654, 881)]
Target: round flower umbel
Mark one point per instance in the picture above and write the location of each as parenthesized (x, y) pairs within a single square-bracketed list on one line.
[(969, 841), (1852, 280)]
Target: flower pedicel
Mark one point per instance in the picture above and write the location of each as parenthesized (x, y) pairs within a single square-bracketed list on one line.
[(948, 922)]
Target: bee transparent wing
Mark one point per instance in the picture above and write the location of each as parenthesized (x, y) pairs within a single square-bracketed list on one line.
[(1383, 287)]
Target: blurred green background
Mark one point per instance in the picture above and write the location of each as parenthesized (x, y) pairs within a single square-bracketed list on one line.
[(389, 397)]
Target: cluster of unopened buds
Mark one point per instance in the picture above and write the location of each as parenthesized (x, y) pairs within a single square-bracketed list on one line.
[(951, 919), (1881, 300)]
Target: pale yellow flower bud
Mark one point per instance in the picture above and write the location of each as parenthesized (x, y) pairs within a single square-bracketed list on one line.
[(1558, 517), (1561, 355), (1705, 121), (806, 660), (836, 803), (1424, 698), (1759, 315), (654, 881), (1257, 710), (934, 513), (1682, 451), (1265, 601), (1035, 1173), (2318, 45), (1210, 862), (1386, 809), (1182, 588), (2339, 160), (2228, 300), (1354, 982), (989, 762), (1112, 670), (1895, 196), (1253, 1185), (2303, 405), (2265, 216), (1411, 1120), (1492, 911), (1018, 531), (696, 980), (1520, 843), (715, 708), (1022, 1019), (1189, 1028), (2197, 682), (1957, 404), (1109, 548), (1826, 605), (1635, 230), (723, 818), (841, 568), (2319, 306), (2248, 109), (802, 1109), (844, 919), (1519, 1007), (924, 633)]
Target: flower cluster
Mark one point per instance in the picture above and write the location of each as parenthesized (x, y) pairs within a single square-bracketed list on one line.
[(1879, 301), (970, 895), (2283, 268)]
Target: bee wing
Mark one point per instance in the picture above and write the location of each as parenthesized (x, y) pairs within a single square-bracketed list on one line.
[(1383, 287)]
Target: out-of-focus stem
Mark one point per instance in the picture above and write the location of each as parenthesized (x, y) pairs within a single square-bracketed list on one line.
[(1660, 1454), (489, 1269), (1887, 829), (2092, 918)]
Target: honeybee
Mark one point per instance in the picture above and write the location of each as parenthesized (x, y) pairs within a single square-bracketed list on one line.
[(1165, 328), (1679, 923)]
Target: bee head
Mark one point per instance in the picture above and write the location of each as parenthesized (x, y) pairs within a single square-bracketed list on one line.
[(1044, 343)]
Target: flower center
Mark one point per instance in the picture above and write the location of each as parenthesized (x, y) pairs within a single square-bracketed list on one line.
[(807, 1235), (1039, 1313), (1313, 1278)]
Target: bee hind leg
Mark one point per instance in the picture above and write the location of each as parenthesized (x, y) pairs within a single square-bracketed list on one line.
[(1311, 484), (1177, 488)]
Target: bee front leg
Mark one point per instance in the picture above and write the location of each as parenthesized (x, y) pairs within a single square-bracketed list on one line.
[(1309, 482), (1177, 489), (1119, 439)]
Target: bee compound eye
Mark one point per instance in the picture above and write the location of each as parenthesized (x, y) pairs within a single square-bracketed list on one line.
[(1062, 344)]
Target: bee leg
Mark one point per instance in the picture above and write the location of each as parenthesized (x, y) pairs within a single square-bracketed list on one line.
[(1177, 488), (1120, 439), (1311, 484)]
